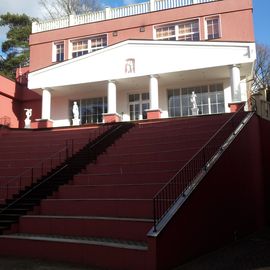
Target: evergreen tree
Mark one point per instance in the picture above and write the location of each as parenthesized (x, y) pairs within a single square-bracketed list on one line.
[(16, 45)]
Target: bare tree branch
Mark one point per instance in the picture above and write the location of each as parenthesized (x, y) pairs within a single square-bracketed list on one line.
[(261, 77), (54, 9)]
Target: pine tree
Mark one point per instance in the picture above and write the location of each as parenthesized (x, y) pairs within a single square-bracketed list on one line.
[(16, 46)]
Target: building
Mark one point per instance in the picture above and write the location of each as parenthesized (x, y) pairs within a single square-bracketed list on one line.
[(143, 61)]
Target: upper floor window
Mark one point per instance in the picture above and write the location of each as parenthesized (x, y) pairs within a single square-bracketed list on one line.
[(58, 55), (188, 30), (84, 46), (213, 27)]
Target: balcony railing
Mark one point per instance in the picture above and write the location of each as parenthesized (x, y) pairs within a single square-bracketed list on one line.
[(113, 13)]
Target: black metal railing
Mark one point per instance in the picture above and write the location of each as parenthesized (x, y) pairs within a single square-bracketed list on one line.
[(43, 167), (164, 200)]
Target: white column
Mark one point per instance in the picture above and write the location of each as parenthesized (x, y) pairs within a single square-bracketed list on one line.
[(235, 83), (111, 97), (46, 104), (153, 90)]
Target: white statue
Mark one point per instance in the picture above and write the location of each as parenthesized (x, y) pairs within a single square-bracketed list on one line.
[(76, 114), (27, 121), (193, 100), (75, 110)]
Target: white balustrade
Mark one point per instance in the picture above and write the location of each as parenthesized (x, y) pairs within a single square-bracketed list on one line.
[(112, 13)]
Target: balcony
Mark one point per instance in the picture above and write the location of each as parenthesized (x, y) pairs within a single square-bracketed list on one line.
[(113, 13)]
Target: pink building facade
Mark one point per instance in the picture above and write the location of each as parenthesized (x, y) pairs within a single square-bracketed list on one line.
[(143, 61)]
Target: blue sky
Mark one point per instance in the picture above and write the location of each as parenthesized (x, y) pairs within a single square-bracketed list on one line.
[(261, 14)]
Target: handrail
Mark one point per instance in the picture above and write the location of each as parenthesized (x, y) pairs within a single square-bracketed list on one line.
[(165, 199), (42, 167)]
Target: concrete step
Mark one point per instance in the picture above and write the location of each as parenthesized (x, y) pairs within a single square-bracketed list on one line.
[(132, 191), (87, 226), (95, 252), (133, 208)]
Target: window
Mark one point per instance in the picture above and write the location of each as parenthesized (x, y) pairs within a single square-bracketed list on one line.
[(166, 33), (79, 48), (138, 106), (213, 28), (84, 46), (189, 31), (183, 31), (210, 100), (58, 54), (91, 110)]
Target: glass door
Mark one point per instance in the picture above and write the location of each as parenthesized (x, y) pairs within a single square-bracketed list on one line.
[(138, 104)]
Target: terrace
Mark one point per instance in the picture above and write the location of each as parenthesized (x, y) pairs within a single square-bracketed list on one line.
[(113, 13)]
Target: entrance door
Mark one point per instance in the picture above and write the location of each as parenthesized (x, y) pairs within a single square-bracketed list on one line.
[(138, 104)]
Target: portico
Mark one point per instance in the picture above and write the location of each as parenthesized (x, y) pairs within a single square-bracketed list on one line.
[(136, 80)]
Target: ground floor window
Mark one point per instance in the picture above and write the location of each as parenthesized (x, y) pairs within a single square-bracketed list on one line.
[(138, 104), (90, 110), (210, 100)]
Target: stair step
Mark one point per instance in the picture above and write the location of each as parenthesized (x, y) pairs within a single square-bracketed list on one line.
[(132, 191), (135, 208), (81, 240), (87, 226), (102, 253)]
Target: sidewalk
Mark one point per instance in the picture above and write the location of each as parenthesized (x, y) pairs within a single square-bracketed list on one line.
[(251, 253), (28, 264)]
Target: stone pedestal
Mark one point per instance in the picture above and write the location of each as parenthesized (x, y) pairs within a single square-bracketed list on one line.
[(195, 111), (27, 123), (76, 122), (153, 114), (42, 123), (236, 106), (111, 117)]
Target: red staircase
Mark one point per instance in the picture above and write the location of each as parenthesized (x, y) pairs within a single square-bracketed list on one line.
[(102, 217), (27, 154)]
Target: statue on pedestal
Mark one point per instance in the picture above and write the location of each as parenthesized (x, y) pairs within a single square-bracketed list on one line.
[(76, 114), (27, 121), (193, 100)]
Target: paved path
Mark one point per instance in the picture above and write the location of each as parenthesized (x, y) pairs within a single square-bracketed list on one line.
[(25, 264), (251, 253)]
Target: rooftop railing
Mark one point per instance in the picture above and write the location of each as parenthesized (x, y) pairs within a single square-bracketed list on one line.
[(113, 13)]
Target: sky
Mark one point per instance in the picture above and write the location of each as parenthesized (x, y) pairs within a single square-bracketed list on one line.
[(32, 8)]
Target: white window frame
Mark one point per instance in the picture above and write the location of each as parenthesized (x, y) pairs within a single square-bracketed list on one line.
[(89, 43), (54, 51), (206, 26), (176, 29)]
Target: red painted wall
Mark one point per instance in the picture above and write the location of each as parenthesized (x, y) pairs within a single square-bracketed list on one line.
[(265, 131), (14, 98), (236, 21), (228, 203)]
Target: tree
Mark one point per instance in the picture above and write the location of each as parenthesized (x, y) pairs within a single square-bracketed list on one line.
[(59, 8), (16, 45), (261, 78)]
